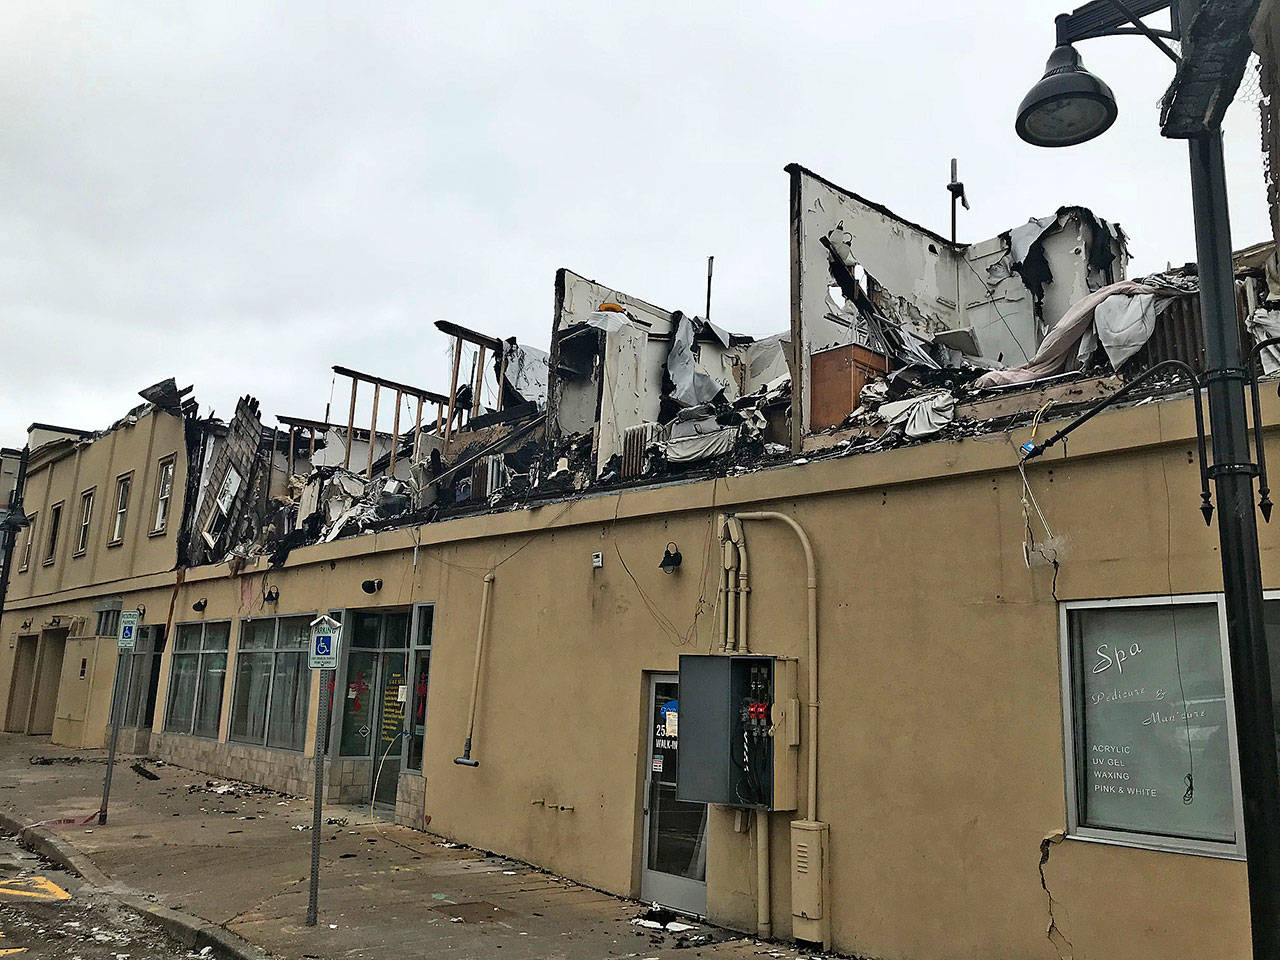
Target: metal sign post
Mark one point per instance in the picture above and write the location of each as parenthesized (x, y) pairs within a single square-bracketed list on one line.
[(322, 656), (126, 639)]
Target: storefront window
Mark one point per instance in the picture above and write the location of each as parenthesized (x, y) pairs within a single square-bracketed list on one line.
[(1151, 743), (196, 679), (418, 680), (269, 701), (139, 677)]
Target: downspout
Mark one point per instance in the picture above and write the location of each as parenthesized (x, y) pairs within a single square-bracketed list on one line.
[(811, 586), (465, 760)]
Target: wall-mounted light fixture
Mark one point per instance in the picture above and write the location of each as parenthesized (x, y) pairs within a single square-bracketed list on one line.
[(371, 586), (200, 604), (272, 594), (671, 558), (142, 611), (26, 624)]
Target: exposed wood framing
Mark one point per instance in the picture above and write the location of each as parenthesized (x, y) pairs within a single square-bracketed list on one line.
[(373, 429)]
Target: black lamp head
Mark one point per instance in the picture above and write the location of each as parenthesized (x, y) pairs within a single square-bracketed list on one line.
[(272, 594), (671, 558), (371, 586), (1069, 105), (200, 605)]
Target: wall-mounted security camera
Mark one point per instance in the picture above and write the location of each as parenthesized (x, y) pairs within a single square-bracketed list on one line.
[(371, 586)]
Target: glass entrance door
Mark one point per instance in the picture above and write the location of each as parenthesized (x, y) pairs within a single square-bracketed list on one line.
[(373, 709), (675, 831), (391, 703)]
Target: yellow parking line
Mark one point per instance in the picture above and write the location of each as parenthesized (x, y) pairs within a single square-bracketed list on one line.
[(33, 888)]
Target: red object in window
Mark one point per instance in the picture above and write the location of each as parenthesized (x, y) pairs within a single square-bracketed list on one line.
[(420, 692), (358, 687)]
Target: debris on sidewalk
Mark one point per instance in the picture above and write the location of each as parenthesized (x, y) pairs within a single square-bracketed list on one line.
[(660, 918), (232, 788), (69, 760), (142, 771)]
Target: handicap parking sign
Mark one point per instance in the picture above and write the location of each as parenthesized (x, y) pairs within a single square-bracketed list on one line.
[(326, 634), (128, 635)]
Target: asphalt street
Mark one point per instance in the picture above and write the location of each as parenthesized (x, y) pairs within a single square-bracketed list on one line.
[(47, 913)]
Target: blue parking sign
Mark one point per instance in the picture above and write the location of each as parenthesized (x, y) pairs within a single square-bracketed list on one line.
[(326, 635), (126, 638)]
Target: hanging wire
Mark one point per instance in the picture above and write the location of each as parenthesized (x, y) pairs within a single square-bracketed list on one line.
[(992, 301), (1190, 794)]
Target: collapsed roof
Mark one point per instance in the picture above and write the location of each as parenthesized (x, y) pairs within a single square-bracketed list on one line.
[(896, 336)]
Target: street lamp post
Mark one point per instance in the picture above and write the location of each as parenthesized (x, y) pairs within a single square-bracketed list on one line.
[(1069, 105)]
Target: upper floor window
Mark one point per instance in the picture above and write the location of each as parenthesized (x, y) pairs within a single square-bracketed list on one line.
[(122, 507), (164, 493), (86, 516), (51, 543), (31, 539)]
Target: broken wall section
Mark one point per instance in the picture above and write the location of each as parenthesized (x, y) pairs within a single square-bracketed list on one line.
[(621, 367), (226, 495), (866, 280)]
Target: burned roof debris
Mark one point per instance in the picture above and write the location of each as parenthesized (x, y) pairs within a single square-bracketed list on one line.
[(897, 336)]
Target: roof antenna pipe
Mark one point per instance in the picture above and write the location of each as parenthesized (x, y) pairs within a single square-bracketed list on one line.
[(956, 189), (465, 760), (710, 263)]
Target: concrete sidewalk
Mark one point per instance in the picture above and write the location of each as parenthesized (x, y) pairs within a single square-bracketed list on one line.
[(233, 855)]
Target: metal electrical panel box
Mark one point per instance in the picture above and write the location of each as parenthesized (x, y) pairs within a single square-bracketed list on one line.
[(739, 731)]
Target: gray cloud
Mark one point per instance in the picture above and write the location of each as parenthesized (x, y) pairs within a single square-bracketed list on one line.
[(243, 195)]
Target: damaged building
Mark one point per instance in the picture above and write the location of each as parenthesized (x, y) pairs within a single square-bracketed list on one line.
[(673, 610)]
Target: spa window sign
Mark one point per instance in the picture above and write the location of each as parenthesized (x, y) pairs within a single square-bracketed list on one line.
[(1149, 722)]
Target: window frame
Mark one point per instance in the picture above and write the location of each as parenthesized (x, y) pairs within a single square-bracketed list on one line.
[(120, 515), (197, 690), (1071, 727), (416, 652), (150, 647), (51, 535), (86, 520), (275, 650), (160, 520), (106, 618), (31, 540)]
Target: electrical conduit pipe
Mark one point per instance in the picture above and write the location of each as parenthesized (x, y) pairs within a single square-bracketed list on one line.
[(764, 923), (811, 590), (744, 588), (465, 760)]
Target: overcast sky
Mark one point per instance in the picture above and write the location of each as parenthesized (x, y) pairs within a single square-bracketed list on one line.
[(242, 195)]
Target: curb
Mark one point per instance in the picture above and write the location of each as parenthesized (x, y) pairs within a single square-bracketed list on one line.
[(192, 931)]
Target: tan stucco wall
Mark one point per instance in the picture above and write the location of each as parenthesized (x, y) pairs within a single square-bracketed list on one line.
[(136, 448), (941, 765)]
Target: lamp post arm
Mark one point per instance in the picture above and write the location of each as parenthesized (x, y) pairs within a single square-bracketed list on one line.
[(1107, 18), (1264, 490), (1031, 449)]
